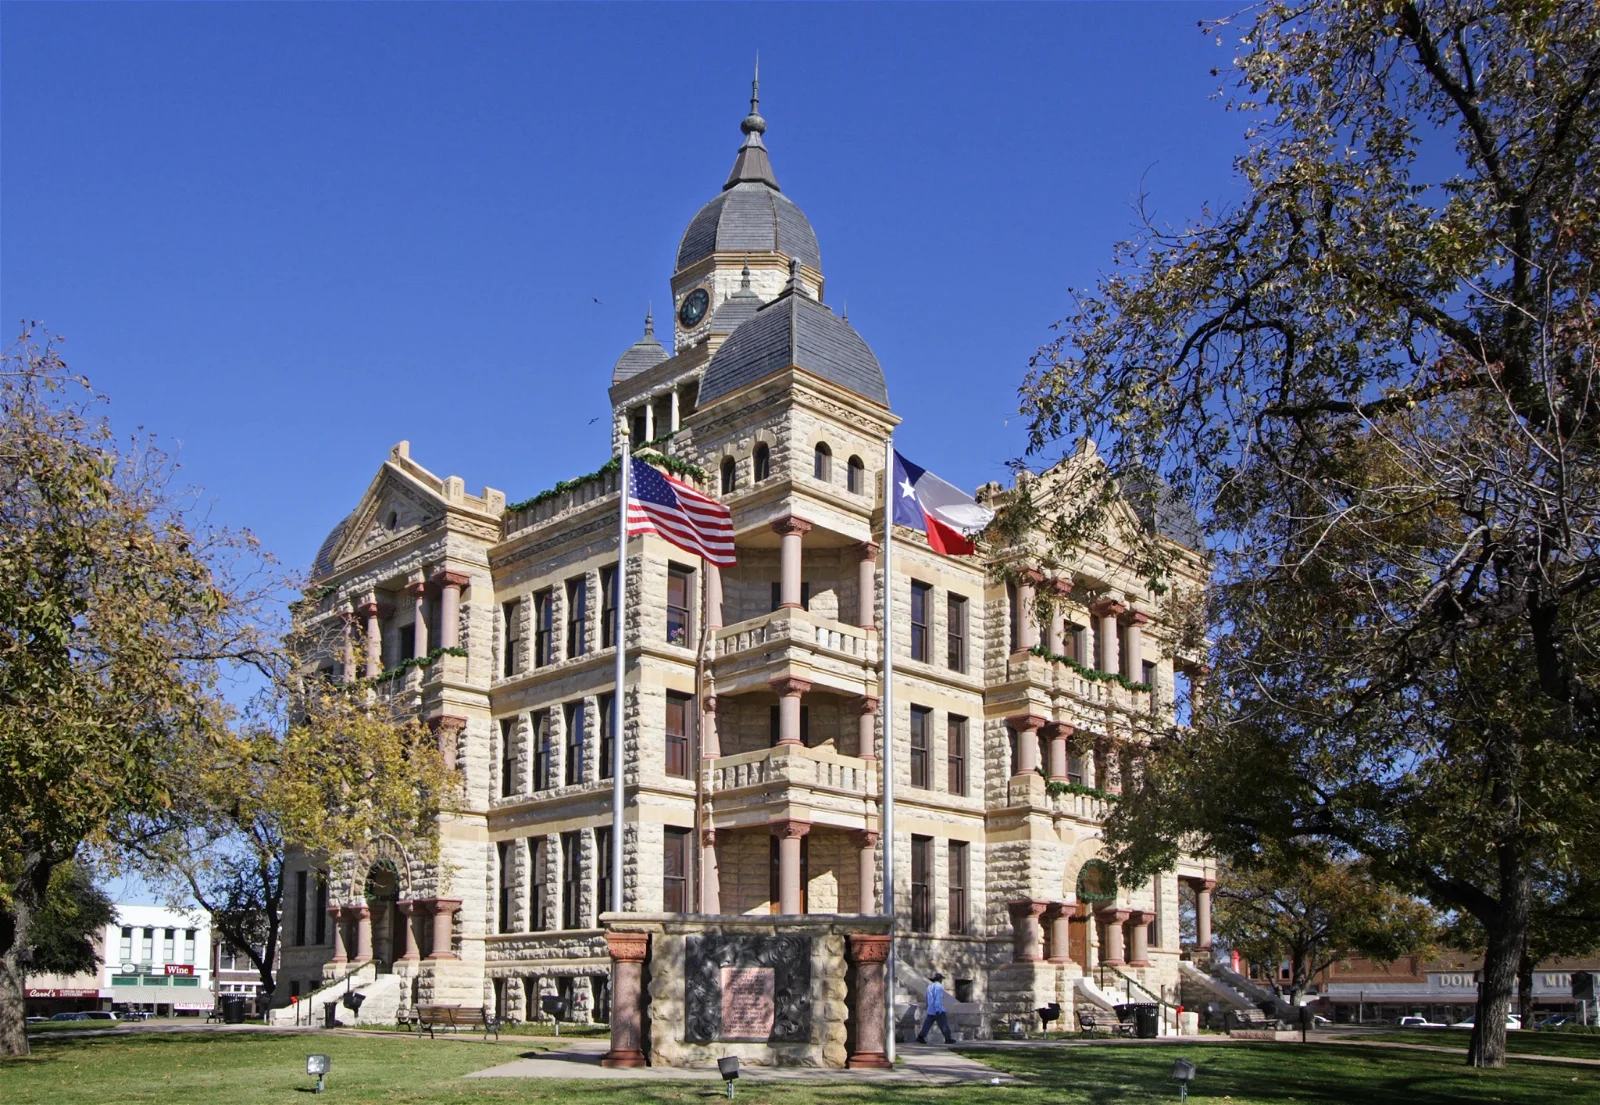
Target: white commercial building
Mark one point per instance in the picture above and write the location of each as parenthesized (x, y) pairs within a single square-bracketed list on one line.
[(158, 959)]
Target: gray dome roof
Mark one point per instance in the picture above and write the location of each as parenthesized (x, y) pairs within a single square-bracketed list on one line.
[(322, 563), (794, 329), (1161, 509), (738, 309), (752, 213), (641, 356), (750, 216)]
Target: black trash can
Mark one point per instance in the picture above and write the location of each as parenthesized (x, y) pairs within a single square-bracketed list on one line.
[(330, 1014), (233, 1009), (1146, 1020)]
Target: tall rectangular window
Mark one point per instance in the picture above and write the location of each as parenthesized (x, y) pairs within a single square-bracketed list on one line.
[(544, 612), (301, 908), (922, 884), (571, 881), (956, 753), (956, 633), (407, 642), (541, 749), (606, 704), (608, 606), (504, 914), (602, 873), (577, 616), (921, 615), (511, 613), (958, 887), (921, 724), (508, 756), (125, 948), (322, 908), (147, 946), (680, 724), (535, 884), (680, 593), (675, 871), (167, 938), (574, 722)]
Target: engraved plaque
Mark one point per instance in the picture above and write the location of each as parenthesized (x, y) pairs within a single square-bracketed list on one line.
[(749, 1002)]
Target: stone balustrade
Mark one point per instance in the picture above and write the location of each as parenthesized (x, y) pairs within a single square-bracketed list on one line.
[(793, 765), (800, 627), (1083, 807)]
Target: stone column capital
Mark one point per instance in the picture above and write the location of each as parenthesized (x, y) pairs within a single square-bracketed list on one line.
[(1141, 916), (417, 588), (1027, 723), (710, 703), (1114, 915), (869, 550), (1107, 608), (448, 577), (335, 911), (368, 609), (708, 838), (1059, 587), (1025, 908), (791, 527), (408, 907), (790, 829), (787, 685), (867, 705), (1136, 617), (628, 947), (1031, 576), (447, 723), (358, 912), (1058, 730), (1057, 909), (869, 947), (441, 907), (866, 838)]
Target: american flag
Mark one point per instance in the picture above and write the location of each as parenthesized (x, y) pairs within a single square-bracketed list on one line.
[(677, 513)]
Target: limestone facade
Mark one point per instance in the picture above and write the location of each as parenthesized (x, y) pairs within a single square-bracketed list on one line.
[(752, 730)]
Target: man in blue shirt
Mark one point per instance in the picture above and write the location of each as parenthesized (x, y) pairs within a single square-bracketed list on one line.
[(935, 1011)]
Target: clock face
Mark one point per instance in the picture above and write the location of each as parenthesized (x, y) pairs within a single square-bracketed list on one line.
[(694, 308)]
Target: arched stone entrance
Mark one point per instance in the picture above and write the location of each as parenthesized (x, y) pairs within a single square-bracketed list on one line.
[(382, 892)]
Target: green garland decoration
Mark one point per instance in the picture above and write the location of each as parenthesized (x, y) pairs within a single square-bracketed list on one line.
[(650, 456), (1108, 882), (1089, 673), (400, 669), (1056, 786)]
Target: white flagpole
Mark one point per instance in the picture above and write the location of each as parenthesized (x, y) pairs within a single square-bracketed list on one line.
[(887, 696), (616, 699)]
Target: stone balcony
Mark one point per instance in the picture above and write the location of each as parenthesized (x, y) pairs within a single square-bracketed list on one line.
[(1058, 678), (1083, 807), (842, 656), (790, 772)]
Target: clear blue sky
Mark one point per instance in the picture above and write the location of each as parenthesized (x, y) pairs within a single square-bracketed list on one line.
[(285, 237)]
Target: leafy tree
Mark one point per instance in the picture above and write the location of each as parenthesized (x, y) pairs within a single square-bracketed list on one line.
[(1310, 910), (75, 910), (118, 617), (319, 769), (1376, 378)]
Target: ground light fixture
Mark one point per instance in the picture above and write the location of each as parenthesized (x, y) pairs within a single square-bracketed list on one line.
[(728, 1067), (318, 1065), (1182, 1074)]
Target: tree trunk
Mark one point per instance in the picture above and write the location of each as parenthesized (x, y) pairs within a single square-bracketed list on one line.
[(1506, 928), (16, 931), (13, 1004), (1525, 986)]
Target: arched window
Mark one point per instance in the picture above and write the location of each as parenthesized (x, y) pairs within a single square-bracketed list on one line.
[(763, 463), (855, 474), (822, 463), (730, 475)]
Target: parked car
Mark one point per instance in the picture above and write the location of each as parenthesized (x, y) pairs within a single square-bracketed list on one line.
[(100, 1015), (1418, 1022), (70, 1017), (38, 1020), (1554, 1020), (1513, 1022)]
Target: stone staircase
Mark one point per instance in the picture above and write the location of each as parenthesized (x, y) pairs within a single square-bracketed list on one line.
[(1198, 989), (968, 1019), (381, 998), (1258, 997)]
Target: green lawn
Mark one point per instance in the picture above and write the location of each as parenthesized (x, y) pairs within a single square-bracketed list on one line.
[(1568, 1045), (255, 1068)]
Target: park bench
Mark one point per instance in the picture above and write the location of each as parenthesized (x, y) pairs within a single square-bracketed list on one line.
[(1250, 1020), (1091, 1023), (456, 1017)]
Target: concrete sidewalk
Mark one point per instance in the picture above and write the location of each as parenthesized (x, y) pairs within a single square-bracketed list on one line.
[(921, 1065)]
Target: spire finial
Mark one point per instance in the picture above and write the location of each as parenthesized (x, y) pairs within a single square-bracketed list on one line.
[(754, 123), (649, 320), (794, 286), (744, 278)]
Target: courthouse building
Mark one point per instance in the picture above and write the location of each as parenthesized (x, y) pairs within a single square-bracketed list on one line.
[(752, 729)]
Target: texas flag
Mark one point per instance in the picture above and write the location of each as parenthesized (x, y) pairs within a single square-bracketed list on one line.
[(949, 516)]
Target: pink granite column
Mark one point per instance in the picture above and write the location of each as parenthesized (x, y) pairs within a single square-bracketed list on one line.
[(448, 728), (867, 860), (1139, 937), (1108, 610), (789, 833), (336, 915), (713, 598), (790, 530), (1059, 733), (348, 662), (869, 952), (1059, 917), (628, 951), (1202, 912), (710, 877), (1133, 662), (1027, 728), (867, 728), (450, 585), (710, 742), (1027, 623), (789, 692), (410, 910), (443, 910), (867, 585), (419, 595), (363, 916), (1027, 939), (374, 646), (1111, 922)]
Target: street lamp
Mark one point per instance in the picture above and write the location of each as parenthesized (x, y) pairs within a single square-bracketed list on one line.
[(728, 1067), (318, 1065)]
